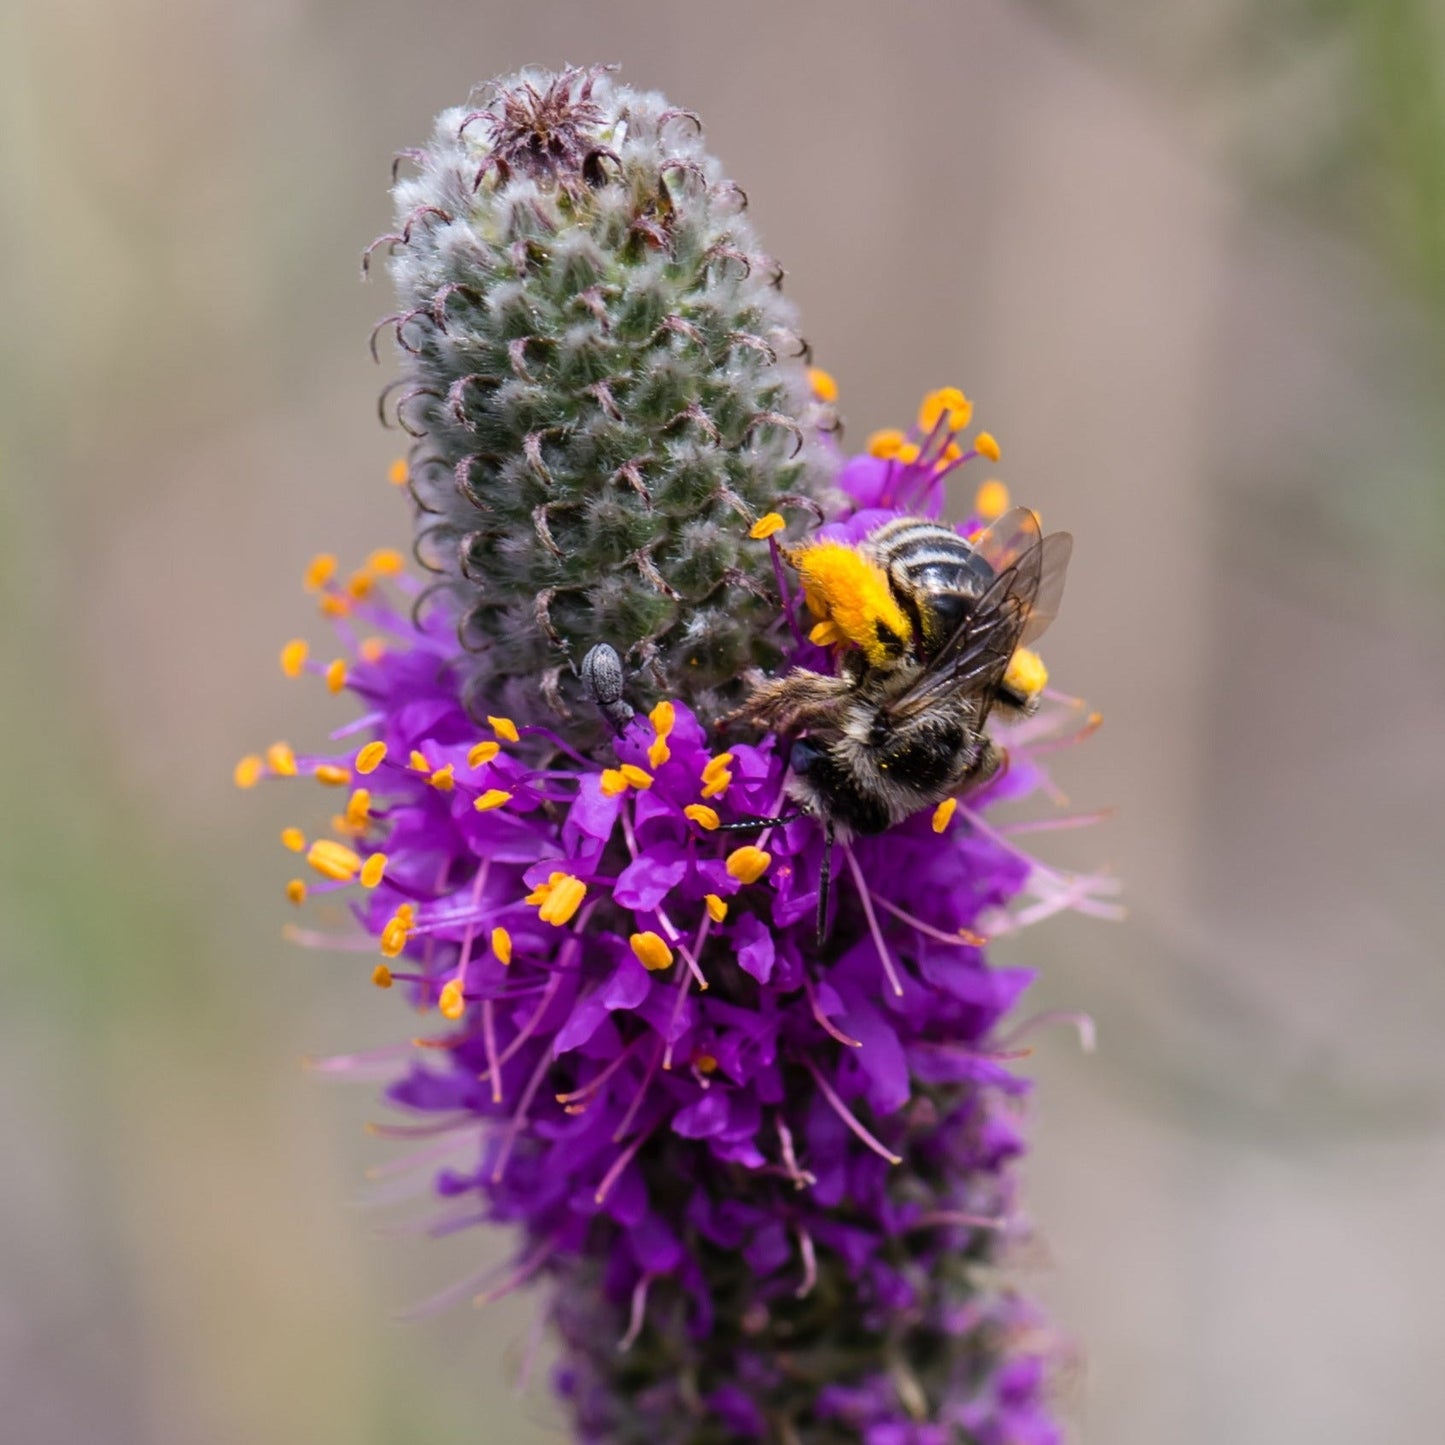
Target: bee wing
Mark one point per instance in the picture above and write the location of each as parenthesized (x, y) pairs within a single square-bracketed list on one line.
[(1019, 604)]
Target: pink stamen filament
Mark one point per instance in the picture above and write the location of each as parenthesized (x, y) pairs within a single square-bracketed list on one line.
[(800, 1177), (965, 937), (619, 1164), (523, 1273), (873, 928), (810, 1263), (824, 1022), (846, 1115), (519, 1120), (638, 1314), (945, 1217), (650, 1073), (1082, 1022), (585, 1091), (489, 1041)]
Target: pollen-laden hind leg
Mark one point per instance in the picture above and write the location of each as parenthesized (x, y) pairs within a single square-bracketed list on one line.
[(798, 700)]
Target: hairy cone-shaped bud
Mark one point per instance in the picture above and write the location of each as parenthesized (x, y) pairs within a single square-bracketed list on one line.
[(606, 389)]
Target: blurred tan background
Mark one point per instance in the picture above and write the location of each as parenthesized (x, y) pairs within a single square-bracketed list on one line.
[(1189, 260)]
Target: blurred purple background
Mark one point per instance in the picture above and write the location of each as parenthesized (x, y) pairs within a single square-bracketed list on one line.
[(1190, 266)]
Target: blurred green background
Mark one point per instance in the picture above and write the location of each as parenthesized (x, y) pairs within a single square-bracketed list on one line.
[(1189, 260)]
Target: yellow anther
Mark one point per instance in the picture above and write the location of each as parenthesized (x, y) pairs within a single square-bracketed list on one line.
[(825, 388), (841, 585), (943, 813), (504, 728), (398, 928), (293, 657), (658, 752), (333, 776), (826, 634), (372, 649), (502, 945), (334, 860), (640, 778), (319, 571), (766, 526), (359, 584), (908, 453), (281, 760), (563, 898), (985, 445), (705, 1064), (372, 870), (296, 891), (706, 818), (444, 779), (747, 864), (294, 839), (397, 473), (406, 912), (717, 908), (386, 562), (492, 798), (483, 753), (336, 674), (991, 500), (247, 773), (613, 783), (371, 757), (714, 766), (417, 762), (946, 400), (451, 1004), (652, 951), (334, 605), (381, 976), (717, 784), (663, 718), (1026, 673), (885, 443)]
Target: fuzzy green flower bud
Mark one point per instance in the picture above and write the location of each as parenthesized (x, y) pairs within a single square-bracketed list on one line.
[(607, 391)]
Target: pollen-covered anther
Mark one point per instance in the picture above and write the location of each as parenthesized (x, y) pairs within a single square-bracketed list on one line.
[(558, 899), (947, 401), (296, 891), (652, 951), (336, 674), (293, 657), (706, 818), (386, 562), (398, 929), (483, 753), (370, 758), (704, 1063), (444, 779), (372, 870), (613, 783), (748, 863), (335, 606), (249, 771), (502, 945), (293, 839), (417, 762), (943, 814), (381, 976), (991, 500), (823, 384), (639, 778), (767, 526), (281, 760), (886, 444), (332, 775), (319, 571), (663, 718), (985, 445), (360, 584), (334, 860), (504, 728), (358, 809), (492, 798), (372, 649), (1026, 673), (452, 1005), (717, 908)]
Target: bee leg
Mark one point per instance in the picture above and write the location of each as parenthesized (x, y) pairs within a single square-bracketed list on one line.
[(602, 679), (745, 823), (825, 878)]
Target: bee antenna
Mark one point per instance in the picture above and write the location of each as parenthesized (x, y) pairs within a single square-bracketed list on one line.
[(825, 878)]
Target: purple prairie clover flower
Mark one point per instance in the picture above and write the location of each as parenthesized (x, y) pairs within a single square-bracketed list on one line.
[(763, 1180)]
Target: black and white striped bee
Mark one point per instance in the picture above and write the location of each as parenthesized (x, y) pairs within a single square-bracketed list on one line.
[(937, 621)]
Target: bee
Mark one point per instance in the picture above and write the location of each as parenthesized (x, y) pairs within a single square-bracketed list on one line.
[(935, 621)]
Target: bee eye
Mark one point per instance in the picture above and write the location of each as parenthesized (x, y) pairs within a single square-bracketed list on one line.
[(803, 756)]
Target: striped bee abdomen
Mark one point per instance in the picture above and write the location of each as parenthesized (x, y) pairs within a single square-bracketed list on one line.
[(934, 573)]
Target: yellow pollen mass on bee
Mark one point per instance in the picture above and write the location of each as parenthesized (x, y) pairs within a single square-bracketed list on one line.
[(842, 586), (1026, 673)]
